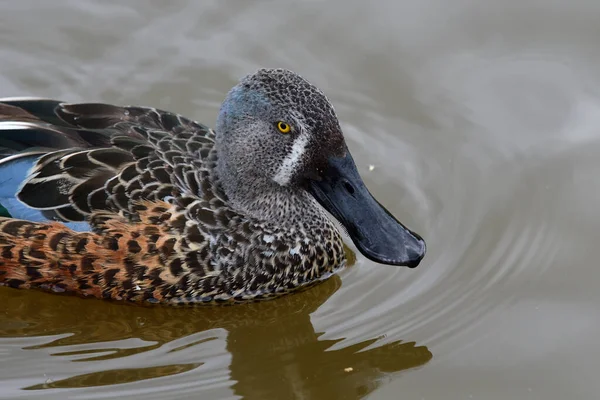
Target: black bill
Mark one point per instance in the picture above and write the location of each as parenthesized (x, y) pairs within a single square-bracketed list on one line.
[(373, 229)]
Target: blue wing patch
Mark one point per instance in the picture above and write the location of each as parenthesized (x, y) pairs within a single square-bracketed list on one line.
[(13, 172)]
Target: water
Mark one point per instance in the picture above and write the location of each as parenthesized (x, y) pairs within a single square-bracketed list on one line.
[(476, 123)]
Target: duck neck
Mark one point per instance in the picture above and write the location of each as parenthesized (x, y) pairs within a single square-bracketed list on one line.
[(266, 200)]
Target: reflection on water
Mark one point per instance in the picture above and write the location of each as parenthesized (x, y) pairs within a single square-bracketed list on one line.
[(274, 349)]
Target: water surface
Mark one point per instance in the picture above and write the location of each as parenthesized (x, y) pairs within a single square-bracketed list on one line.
[(476, 123)]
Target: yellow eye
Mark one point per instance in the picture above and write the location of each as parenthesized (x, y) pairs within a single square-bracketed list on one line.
[(283, 127)]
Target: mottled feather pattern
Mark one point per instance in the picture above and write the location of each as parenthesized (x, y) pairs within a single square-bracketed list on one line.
[(159, 259), (162, 231), (140, 160)]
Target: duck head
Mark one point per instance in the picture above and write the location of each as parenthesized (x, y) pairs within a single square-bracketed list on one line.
[(277, 133)]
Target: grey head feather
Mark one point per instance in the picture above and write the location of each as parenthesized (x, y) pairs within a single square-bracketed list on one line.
[(256, 162)]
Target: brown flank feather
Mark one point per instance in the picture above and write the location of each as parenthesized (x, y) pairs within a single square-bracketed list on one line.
[(126, 262)]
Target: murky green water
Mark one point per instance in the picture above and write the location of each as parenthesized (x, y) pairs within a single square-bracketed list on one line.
[(477, 122)]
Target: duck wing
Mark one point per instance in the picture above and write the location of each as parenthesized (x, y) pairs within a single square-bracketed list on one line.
[(61, 161)]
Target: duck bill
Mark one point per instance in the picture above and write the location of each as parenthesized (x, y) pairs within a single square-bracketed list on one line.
[(376, 233)]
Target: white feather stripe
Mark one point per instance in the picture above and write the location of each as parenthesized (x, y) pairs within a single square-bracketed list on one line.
[(291, 162)]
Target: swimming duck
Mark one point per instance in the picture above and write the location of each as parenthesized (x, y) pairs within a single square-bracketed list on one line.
[(139, 204)]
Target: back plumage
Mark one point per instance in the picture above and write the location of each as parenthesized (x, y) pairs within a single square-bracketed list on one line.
[(86, 157)]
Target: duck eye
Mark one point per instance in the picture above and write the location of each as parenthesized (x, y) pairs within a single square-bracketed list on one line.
[(283, 127)]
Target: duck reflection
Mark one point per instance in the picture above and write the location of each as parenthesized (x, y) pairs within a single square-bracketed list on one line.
[(275, 352)]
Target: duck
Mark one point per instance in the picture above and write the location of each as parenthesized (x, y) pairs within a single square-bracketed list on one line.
[(138, 204)]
